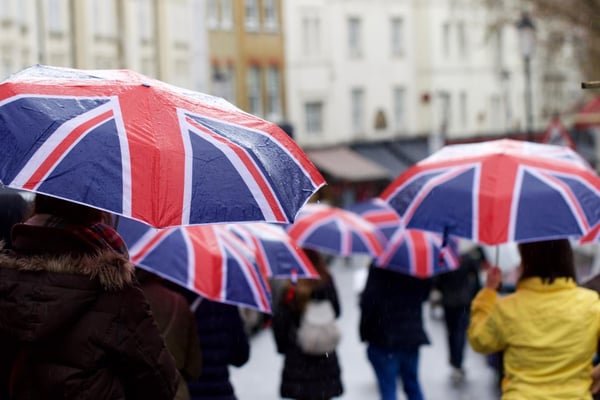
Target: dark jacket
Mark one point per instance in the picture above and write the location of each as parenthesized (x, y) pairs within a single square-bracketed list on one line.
[(391, 310), (81, 327), (177, 327), (224, 343), (460, 286), (306, 376)]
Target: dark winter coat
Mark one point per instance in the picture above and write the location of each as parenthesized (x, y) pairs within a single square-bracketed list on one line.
[(460, 286), (177, 327), (392, 310), (80, 326), (223, 342), (306, 376)]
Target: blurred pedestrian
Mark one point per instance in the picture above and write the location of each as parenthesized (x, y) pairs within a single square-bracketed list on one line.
[(306, 376), (458, 288), (223, 342), (82, 326), (13, 209), (391, 323), (548, 329), (177, 327)]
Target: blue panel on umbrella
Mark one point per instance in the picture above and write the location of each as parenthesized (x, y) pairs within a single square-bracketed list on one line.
[(96, 176), (542, 212), (170, 259), (24, 128), (587, 197), (276, 159), (131, 230), (448, 207)]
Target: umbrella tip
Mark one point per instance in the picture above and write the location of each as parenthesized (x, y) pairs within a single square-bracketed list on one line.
[(145, 84)]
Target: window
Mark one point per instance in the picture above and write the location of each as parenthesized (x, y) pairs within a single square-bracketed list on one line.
[(270, 14), (354, 37), (55, 16), (212, 14), (399, 99), (446, 39), (226, 15), (445, 111), (251, 20), (464, 116), (358, 96), (273, 94), (314, 117), (397, 39), (105, 18), (311, 27), (462, 40), (145, 18), (254, 93), (230, 93)]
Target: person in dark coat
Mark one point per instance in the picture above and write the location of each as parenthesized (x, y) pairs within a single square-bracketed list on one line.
[(13, 209), (177, 326), (458, 288), (223, 342), (306, 376), (71, 305), (391, 323)]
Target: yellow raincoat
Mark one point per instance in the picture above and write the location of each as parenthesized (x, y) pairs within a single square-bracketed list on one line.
[(549, 334)]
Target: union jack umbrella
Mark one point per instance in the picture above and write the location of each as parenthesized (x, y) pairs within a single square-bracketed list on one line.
[(277, 255), (418, 253), (336, 231), (498, 192), (138, 147), (206, 259)]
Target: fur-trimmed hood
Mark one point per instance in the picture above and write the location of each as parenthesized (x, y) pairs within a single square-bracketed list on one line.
[(41, 294)]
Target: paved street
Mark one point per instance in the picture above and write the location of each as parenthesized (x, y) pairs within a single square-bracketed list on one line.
[(259, 378)]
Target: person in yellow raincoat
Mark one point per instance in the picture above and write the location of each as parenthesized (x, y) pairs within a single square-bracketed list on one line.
[(548, 329)]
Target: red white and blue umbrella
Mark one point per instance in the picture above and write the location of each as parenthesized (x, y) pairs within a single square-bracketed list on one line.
[(498, 192), (277, 254), (141, 148), (336, 231), (206, 259), (418, 253)]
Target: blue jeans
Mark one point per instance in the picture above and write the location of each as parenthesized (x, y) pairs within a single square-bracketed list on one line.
[(389, 365)]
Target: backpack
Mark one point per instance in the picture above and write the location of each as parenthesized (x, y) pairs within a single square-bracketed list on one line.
[(318, 332)]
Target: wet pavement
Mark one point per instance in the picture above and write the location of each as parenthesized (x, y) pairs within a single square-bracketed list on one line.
[(259, 378)]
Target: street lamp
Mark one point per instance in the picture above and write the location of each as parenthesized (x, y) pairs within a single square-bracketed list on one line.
[(527, 47)]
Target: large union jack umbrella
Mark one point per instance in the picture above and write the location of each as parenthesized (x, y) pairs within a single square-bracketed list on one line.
[(498, 192), (206, 259), (336, 231), (138, 147), (418, 253), (277, 254)]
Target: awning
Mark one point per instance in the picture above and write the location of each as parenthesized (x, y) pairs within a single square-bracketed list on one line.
[(381, 154), (345, 164), (412, 151)]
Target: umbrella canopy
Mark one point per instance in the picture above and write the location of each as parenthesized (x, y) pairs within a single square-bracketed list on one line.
[(138, 147), (206, 259), (335, 231), (417, 253), (277, 254), (498, 192)]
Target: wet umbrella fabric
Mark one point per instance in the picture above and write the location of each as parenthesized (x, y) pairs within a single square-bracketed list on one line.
[(206, 259), (336, 231), (417, 253), (498, 192), (277, 254), (141, 148)]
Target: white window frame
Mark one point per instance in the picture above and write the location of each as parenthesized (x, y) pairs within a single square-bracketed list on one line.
[(251, 15), (313, 117), (226, 15), (357, 99), (255, 105), (274, 93), (397, 36), (271, 16), (399, 107), (354, 37), (212, 14)]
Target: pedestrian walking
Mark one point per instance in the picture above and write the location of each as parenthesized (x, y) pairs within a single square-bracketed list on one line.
[(223, 343), (391, 323), (306, 375), (458, 288), (71, 306), (548, 329), (177, 326)]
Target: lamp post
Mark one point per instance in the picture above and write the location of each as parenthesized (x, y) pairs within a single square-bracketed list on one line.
[(527, 43)]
